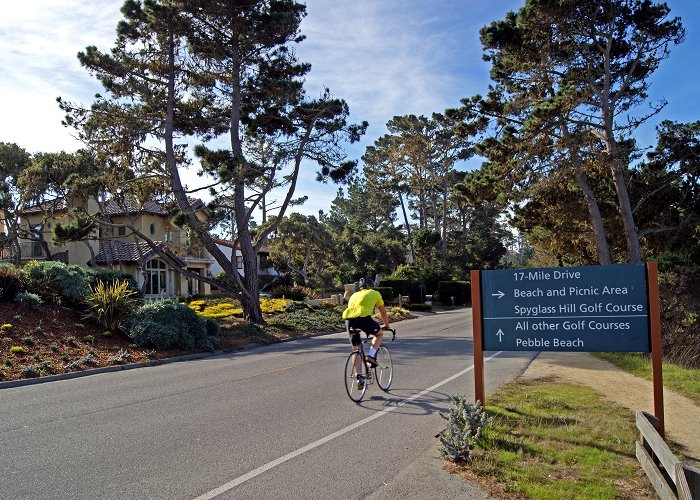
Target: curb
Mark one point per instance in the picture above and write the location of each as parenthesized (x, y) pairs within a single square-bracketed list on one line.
[(156, 362)]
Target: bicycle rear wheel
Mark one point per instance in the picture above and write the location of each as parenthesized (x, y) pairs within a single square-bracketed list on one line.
[(355, 376), (384, 371)]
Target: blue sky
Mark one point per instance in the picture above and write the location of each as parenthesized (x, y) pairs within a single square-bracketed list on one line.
[(384, 57)]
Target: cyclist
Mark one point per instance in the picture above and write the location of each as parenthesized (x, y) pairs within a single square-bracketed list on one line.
[(359, 315)]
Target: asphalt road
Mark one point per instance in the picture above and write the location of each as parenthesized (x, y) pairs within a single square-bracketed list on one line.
[(272, 422)]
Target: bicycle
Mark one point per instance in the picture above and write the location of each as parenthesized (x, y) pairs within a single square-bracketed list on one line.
[(359, 373)]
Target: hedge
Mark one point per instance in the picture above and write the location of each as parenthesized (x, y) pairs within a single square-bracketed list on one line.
[(460, 290), (405, 287), (386, 291)]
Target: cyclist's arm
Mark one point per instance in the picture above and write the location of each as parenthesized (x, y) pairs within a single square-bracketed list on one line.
[(385, 317)]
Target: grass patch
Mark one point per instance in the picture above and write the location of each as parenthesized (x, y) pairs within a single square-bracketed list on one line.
[(559, 441), (680, 379)]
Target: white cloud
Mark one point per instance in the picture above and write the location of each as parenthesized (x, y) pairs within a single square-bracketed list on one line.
[(40, 41)]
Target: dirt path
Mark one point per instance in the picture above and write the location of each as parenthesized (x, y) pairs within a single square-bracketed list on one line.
[(682, 416)]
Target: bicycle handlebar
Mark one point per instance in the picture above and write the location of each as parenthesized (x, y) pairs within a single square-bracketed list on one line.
[(392, 330)]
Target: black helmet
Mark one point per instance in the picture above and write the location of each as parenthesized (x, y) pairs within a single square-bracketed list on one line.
[(366, 283)]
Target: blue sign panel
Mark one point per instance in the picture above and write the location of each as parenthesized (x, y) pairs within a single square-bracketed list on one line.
[(587, 309)]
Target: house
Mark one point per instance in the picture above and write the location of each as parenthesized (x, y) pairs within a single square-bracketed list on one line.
[(266, 271), (118, 248)]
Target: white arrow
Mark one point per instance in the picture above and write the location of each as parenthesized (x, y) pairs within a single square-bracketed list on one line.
[(499, 294), (500, 335)]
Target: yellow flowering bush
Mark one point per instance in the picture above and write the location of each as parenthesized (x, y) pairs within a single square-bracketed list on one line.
[(197, 305), (271, 306), (226, 309), (221, 310)]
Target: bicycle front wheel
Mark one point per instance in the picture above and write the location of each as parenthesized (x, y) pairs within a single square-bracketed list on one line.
[(384, 371), (355, 376)]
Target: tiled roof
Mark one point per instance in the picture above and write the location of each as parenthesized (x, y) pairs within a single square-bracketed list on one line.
[(114, 251), (124, 207), (128, 207), (46, 206)]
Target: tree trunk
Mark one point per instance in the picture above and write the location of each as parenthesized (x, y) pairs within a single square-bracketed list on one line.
[(602, 246), (444, 217), (408, 228), (625, 207), (250, 301), (611, 146)]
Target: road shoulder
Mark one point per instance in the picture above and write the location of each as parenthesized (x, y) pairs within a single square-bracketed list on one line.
[(625, 390), (426, 479)]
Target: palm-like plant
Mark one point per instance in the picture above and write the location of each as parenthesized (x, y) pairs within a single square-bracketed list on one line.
[(110, 304)]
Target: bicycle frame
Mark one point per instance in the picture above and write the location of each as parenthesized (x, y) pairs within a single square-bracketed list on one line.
[(369, 372)]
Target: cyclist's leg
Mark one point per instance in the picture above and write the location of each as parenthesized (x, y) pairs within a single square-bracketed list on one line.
[(371, 327), (355, 341)]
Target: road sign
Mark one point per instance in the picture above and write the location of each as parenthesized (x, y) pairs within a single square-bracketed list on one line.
[(587, 309)]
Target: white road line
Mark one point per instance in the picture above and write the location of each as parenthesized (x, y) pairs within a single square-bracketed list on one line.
[(271, 465)]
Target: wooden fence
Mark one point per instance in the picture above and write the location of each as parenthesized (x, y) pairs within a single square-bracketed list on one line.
[(671, 478)]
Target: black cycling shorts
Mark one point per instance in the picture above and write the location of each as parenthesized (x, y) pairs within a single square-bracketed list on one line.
[(364, 323)]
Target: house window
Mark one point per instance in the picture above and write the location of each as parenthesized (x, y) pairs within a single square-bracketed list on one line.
[(153, 229), (121, 231), (265, 262), (239, 262), (169, 237), (156, 275), (37, 251)]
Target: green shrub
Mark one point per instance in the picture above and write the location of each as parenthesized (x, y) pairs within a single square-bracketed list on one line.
[(17, 349), (56, 282), (53, 347), (110, 276), (288, 292), (386, 292), (7, 362), (38, 330), (317, 320), (122, 356), (465, 423), (89, 339), (106, 333), (213, 328), (680, 316), (460, 290), (420, 307), (111, 303), (167, 324), (30, 300), (6, 327), (296, 306), (10, 283), (224, 282), (17, 318), (28, 340), (30, 371), (405, 287)]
